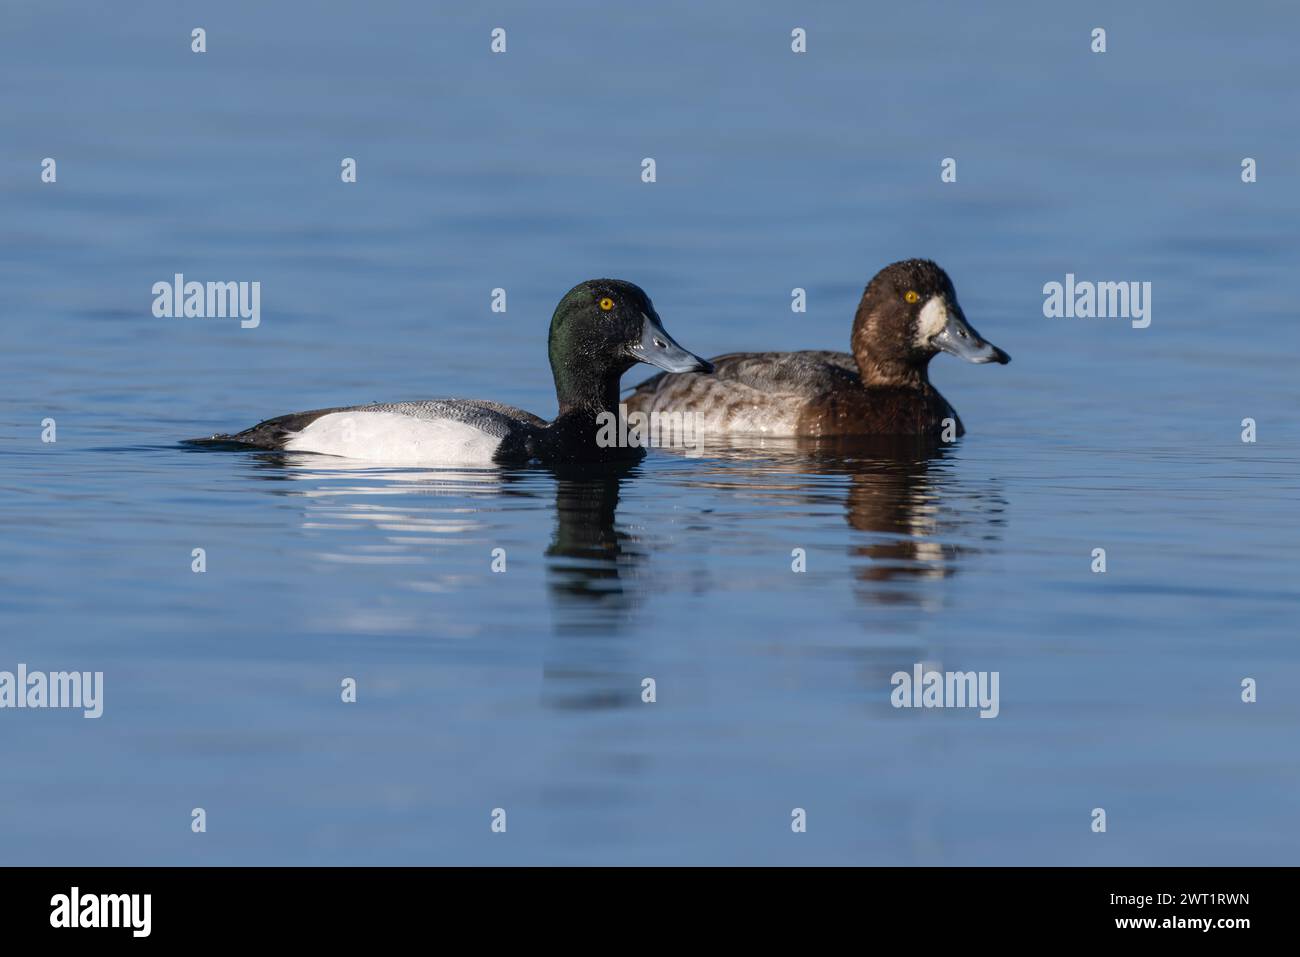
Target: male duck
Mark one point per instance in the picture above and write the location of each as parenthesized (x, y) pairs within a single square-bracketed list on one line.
[(600, 329), (907, 315)]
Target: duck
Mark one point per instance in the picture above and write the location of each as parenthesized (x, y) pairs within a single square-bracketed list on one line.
[(599, 330), (908, 314)]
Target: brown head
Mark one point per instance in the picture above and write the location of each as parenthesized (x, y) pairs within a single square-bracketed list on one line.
[(908, 314)]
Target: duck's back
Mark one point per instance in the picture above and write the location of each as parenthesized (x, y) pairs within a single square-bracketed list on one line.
[(754, 392), (815, 392), (808, 373)]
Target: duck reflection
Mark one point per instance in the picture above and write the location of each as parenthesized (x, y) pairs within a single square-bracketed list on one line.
[(903, 492), (590, 562), (591, 559), (596, 589), (915, 519), (905, 495)]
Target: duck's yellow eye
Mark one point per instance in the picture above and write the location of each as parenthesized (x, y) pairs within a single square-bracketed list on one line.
[(911, 295), (606, 304)]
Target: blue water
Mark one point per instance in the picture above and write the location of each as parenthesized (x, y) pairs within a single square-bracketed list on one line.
[(522, 690)]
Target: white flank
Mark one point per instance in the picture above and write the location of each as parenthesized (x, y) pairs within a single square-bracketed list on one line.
[(771, 416), (391, 437)]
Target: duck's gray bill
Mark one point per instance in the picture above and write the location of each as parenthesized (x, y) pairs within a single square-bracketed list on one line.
[(658, 349), (960, 340)]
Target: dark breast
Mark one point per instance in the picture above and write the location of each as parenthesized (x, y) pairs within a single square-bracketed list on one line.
[(878, 411)]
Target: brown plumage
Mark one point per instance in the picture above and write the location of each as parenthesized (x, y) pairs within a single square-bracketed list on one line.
[(907, 315)]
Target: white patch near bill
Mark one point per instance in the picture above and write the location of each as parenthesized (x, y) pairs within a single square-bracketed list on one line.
[(931, 321), (392, 437)]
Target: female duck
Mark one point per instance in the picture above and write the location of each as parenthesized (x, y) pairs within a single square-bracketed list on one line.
[(908, 314), (600, 329)]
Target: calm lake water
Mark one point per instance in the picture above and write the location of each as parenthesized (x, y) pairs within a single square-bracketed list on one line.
[(522, 691)]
